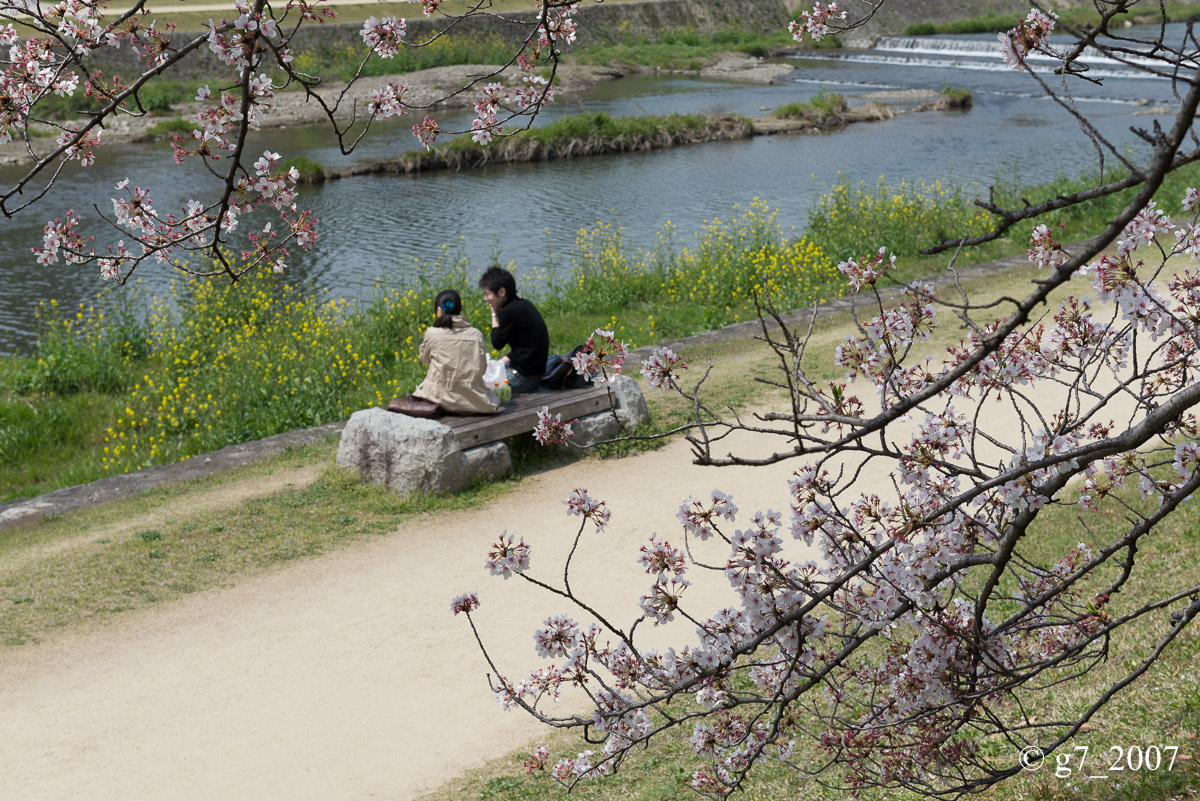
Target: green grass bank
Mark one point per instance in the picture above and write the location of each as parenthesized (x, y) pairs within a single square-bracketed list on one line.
[(129, 381)]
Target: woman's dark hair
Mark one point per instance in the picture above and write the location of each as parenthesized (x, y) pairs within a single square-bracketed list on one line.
[(450, 303)]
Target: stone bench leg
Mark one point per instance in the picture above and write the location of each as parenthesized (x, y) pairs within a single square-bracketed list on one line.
[(410, 454), (631, 411)]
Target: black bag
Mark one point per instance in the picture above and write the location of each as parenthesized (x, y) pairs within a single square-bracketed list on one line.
[(560, 372)]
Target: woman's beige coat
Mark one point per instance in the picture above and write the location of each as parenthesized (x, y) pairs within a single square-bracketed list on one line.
[(456, 359)]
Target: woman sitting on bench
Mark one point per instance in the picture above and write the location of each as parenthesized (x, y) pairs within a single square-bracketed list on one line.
[(456, 357)]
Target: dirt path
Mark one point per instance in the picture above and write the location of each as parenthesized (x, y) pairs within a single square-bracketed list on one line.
[(342, 677), (345, 677)]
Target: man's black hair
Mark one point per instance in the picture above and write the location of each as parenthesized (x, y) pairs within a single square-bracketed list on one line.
[(496, 278)]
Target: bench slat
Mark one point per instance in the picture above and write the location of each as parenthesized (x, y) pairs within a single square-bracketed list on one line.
[(521, 415)]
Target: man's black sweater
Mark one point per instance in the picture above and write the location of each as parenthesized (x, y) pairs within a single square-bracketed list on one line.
[(522, 329)]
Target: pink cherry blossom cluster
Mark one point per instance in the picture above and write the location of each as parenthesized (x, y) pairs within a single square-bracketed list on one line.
[(468, 602), (80, 147), (865, 272), (886, 340), (62, 236), (1030, 34), (557, 25), (902, 620), (698, 518), (660, 558), (263, 249), (34, 72), (426, 132), (384, 36), (387, 101), (552, 430), (580, 504), (497, 99), (537, 760), (252, 43), (161, 236), (892, 569), (663, 599), (241, 44), (559, 637), (602, 357), (815, 22), (507, 557), (662, 369), (1144, 229), (485, 125), (733, 740), (1044, 249)]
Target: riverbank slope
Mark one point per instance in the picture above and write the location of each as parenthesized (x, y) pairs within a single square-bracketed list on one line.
[(344, 676)]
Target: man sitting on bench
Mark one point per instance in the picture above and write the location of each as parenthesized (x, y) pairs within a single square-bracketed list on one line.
[(517, 324)]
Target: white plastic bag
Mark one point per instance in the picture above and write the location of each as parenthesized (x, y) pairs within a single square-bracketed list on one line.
[(495, 374)]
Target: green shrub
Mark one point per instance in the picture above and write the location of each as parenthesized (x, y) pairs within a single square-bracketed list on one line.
[(822, 105), (89, 351), (310, 171), (27, 428), (854, 220), (160, 97), (175, 125)]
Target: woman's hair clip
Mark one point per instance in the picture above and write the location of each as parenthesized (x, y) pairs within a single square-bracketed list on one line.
[(448, 306)]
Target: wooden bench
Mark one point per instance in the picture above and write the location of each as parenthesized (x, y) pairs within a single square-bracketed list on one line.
[(520, 415), (445, 454)]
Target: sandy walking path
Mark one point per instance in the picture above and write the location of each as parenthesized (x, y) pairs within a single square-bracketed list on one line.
[(341, 677), (345, 677)]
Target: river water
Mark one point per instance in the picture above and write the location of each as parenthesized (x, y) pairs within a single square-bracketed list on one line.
[(371, 227)]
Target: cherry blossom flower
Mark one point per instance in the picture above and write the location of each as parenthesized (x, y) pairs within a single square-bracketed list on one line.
[(387, 101), (865, 272), (384, 36), (580, 504), (551, 430), (426, 132), (662, 369), (660, 558), (815, 23), (559, 636), (506, 557), (1029, 35), (467, 602), (602, 357), (1044, 249), (697, 517), (663, 599), (537, 760)]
